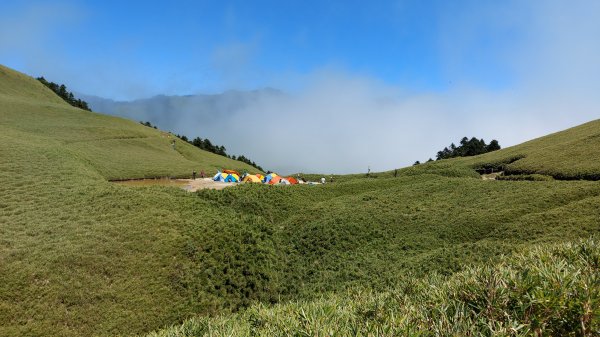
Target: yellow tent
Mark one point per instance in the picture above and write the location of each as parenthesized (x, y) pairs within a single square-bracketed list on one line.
[(251, 179), (232, 178)]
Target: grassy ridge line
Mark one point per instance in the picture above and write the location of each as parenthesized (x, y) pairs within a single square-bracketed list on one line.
[(17, 86), (553, 154), (80, 256), (571, 154), (116, 147), (549, 291)]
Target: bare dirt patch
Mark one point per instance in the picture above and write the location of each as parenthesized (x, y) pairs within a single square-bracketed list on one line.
[(153, 182), (204, 183), (190, 185)]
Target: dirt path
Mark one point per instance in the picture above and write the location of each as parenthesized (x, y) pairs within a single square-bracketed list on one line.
[(202, 183), (189, 185)]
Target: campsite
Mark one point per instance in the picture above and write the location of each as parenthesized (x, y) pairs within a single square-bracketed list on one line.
[(388, 168), (221, 180), (89, 247)]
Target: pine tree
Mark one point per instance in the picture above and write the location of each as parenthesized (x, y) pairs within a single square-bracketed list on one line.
[(468, 147), (493, 146), (62, 92), (197, 142)]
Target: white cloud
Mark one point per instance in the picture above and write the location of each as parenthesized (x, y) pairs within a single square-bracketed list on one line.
[(341, 122)]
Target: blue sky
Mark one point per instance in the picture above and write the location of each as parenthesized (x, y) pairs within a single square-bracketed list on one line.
[(190, 46), (375, 83)]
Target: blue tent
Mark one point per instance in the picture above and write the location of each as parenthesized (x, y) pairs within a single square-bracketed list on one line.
[(231, 178), (268, 177), (220, 177)]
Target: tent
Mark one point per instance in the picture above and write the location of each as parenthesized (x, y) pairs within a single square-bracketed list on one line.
[(232, 178), (260, 176), (232, 172), (284, 181), (274, 180), (220, 177), (269, 176), (251, 179), (292, 180)]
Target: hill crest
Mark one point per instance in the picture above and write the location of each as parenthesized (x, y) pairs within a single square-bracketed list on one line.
[(116, 147)]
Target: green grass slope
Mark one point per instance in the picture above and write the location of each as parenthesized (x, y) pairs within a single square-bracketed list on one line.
[(81, 256), (115, 147), (15, 86), (78, 255), (548, 291), (572, 154)]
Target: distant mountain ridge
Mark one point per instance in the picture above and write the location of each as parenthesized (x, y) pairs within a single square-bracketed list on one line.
[(205, 116), (166, 111)]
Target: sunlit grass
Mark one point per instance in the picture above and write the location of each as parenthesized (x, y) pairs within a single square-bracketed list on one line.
[(82, 256), (547, 291)]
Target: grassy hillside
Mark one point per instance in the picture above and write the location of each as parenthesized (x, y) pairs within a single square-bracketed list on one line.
[(549, 291), (78, 254), (82, 256), (15, 86), (572, 154), (115, 147)]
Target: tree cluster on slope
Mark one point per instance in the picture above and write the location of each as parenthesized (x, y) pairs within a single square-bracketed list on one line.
[(67, 96), (419, 163), (207, 145), (468, 147), (148, 124)]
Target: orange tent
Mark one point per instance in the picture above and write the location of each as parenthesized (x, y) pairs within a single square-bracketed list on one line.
[(292, 180), (275, 180), (231, 172)]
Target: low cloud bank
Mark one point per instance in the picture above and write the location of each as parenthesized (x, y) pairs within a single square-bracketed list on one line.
[(540, 74), (342, 124)]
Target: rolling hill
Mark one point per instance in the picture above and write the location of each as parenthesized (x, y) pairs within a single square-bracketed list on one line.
[(115, 147), (80, 255), (572, 154)]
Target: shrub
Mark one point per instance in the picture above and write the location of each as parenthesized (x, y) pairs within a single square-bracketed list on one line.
[(548, 291), (528, 177)]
